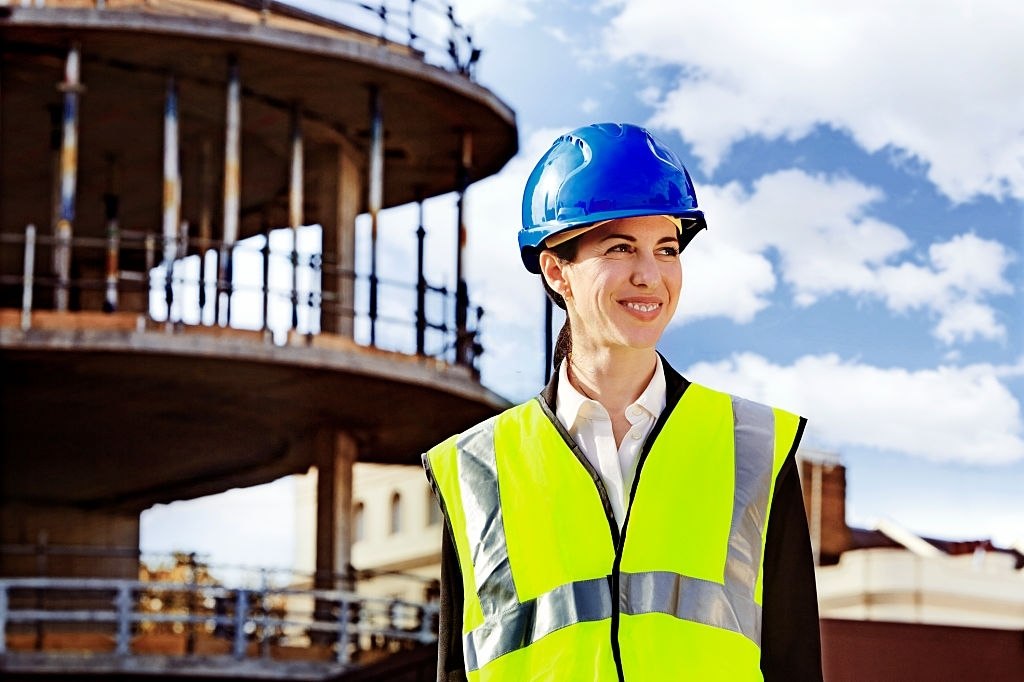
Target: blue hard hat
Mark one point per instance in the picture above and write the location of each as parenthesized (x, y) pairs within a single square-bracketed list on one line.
[(603, 172)]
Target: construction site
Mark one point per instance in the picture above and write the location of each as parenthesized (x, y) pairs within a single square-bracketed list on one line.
[(170, 171), (142, 144)]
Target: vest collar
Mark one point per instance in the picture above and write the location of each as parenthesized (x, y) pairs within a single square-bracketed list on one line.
[(674, 383)]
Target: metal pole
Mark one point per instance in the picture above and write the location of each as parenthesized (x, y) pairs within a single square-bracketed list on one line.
[(111, 202), (375, 197), (71, 87), (124, 612), (265, 255), (172, 191), (27, 279), (343, 638), (462, 339), (232, 187), (3, 619), (421, 287), (205, 217), (295, 200), (241, 615)]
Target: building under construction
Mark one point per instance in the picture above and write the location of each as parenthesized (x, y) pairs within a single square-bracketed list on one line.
[(143, 143)]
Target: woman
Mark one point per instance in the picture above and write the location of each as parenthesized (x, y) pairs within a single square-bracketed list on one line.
[(626, 524)]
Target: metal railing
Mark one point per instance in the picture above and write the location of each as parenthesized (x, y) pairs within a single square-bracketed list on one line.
[(249, 622), (171, 296), (426, 27)]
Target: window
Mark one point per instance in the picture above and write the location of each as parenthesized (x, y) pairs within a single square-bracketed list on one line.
[(358, 522), (396, 513), (433, 509)]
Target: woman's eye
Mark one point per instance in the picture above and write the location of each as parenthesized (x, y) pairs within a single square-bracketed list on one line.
[(669, 251), (619, 248)]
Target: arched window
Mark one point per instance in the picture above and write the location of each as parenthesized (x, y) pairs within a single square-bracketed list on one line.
[(358, 522), (433, 508), (396, 513)]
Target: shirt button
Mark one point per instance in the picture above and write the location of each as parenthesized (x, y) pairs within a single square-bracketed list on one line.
[(635, 411), (636, 435)]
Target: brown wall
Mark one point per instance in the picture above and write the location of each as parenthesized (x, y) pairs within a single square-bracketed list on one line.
[(863, 651)]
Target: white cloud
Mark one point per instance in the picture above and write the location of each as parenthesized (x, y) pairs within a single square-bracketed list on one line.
[(934, 82), (964, 414), (827, 244), (477, 13), (589, 105)]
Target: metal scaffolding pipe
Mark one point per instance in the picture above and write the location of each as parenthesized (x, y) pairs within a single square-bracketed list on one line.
[(172, 190), (232, 186), (111, 204), (375, 196), (295, 201), (28, 276), (71, 87), (463, 342), (421, 285), (205, 216)]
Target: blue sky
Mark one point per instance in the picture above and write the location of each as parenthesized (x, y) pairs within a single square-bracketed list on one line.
[(862, 171)]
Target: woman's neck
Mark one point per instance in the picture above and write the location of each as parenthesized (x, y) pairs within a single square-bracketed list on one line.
[(613, 377)]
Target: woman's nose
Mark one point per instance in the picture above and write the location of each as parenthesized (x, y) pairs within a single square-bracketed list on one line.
[(645, 270)]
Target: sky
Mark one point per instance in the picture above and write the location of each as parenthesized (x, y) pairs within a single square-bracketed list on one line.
[(861, 167)]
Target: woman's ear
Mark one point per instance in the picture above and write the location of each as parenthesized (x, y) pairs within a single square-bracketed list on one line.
[(552, 269)]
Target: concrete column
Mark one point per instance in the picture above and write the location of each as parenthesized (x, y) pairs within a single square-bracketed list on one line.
[(338, 199), (335, 453)]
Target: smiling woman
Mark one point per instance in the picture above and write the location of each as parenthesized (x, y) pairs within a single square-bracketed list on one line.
[(626, 524)]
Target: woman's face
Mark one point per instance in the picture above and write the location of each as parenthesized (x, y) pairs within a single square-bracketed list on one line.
[(623, 287)]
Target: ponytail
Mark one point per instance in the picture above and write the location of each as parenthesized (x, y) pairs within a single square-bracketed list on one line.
[(563, 345), (566, 252)]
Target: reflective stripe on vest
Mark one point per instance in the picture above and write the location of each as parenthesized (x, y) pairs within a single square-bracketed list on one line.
[(532, 520)]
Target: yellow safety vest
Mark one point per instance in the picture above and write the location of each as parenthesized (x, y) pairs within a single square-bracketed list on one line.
[(553, 591)]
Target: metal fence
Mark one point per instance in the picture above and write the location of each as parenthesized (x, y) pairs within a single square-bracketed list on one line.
[(412, 318), (247, 623)]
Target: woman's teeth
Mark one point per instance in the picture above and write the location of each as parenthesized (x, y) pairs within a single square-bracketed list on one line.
[(643, 307)]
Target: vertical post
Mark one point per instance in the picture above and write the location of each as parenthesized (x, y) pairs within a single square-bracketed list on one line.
[(295, 200), (241, 615), (463, 343), (172, 191), (548, 340), (28, 276), (111, 202), (265, 254), (124, 613), (421, 286), (232, 188), (343, 638), (3, 618), (71, 87), (375, 196), (205, 217)]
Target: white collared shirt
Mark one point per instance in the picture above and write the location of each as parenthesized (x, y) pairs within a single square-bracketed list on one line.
[(590, 426)]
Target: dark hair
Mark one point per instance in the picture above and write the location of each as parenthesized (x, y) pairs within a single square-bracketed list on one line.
[(565, 252)]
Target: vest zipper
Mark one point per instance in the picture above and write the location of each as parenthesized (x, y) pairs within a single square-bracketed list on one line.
[(618, 537)]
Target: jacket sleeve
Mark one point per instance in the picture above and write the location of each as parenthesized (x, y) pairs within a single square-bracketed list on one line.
[(790, 638), (451, 666)]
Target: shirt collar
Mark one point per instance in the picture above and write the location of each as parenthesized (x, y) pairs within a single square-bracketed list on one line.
[(569, 402)]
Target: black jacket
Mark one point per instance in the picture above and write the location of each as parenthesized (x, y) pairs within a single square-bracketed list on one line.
[(790, 640)]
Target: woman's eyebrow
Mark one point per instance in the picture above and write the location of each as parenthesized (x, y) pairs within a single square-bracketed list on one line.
[(628, 238)]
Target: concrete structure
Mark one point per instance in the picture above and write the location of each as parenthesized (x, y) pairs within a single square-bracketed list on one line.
[(135, 134)]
